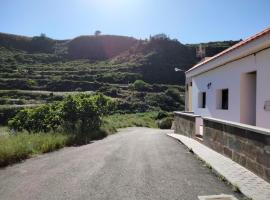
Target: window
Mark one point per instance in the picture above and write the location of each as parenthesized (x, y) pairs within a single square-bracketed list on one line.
[(202, 99), (223, 99)]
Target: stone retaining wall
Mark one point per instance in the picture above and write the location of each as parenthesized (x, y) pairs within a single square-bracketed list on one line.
[(247, 145), (184, 123)]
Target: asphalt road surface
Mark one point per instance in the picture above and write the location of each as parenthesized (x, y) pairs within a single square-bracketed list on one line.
[(137, 163)]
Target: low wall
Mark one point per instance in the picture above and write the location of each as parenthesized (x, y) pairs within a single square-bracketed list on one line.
[(247, 145), (185, 123)]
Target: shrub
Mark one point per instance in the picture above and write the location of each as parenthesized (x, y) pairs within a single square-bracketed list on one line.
[(165, 123), (109, 91), (38, 119), (141, 85), (125, 106), (7, 112), (119, 77), (163, 101), (173, 93), (76, 114), (162, 114)]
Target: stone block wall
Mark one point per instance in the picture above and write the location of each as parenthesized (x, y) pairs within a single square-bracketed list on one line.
[(247, 145), (184, 123)]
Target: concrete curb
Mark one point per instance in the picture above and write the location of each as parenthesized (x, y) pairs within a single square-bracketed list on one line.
[(247, 182)]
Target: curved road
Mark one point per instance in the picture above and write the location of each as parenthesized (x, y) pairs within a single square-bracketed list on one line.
[(137, 163)]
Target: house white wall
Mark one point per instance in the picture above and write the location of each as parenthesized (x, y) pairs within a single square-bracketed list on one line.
[(228, 76)]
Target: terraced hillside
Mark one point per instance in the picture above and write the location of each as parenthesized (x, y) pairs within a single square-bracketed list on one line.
[(139, 74)]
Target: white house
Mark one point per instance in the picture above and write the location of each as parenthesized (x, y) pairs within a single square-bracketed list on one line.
[(233, 85)]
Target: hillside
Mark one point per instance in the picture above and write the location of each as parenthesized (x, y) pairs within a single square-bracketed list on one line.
[(157, 58), (213, 48), (154, 59), (54, 67), (99, 47)]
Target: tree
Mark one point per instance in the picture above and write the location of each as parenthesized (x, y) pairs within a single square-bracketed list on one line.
[(97, 33), (42, 35)]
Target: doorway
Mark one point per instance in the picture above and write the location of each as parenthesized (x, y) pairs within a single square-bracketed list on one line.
[(248, 93)]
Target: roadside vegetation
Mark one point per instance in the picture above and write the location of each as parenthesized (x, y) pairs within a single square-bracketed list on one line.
[(113, 122), (17, 147), (75, 120)]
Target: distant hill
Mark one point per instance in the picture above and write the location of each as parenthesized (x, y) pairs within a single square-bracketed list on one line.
[(159, 56), (99, 47), (213, 48), (37, 44), (154, 59), (157, 59)]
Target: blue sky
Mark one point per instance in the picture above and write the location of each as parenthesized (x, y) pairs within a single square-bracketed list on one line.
[(190, 21)]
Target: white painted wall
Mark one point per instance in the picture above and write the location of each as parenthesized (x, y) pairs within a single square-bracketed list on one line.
[(263, 88), (228, 76)]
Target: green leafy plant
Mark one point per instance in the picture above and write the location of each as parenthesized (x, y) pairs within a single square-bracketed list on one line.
[(165, 123), (76, 114)]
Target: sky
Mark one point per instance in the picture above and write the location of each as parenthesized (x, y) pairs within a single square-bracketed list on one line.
[(189, 21)]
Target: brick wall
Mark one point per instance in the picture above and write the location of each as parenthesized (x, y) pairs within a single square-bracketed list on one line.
[(246, 145), (184, 123)]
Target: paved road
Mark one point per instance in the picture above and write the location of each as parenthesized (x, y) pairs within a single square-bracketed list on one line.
[(137, 163)]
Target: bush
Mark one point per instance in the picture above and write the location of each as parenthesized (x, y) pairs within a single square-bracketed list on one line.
[(141, 86), (76, 114), (109, 91), (173, 93), (163, 101), (84, 112), (119, 77), (38, 119), (7, 112), (165, 123), (125, 106), (162, 114)]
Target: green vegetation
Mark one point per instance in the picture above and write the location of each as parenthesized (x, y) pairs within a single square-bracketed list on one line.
[(14, 148), (75, 114), (138, 73), (113, 122), (140, 85), (165, 123), (4, 130), (17, 146)]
